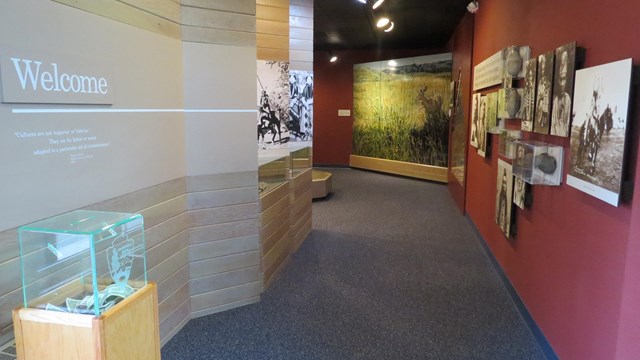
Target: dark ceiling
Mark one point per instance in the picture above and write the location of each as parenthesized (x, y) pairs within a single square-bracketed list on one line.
[(350, 24)]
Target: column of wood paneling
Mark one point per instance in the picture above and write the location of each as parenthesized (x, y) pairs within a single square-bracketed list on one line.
[(221, 22), (159, 16), (301, 35), (272, 29)]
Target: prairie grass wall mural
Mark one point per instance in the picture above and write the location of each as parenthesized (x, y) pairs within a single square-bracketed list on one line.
[(401, 109)]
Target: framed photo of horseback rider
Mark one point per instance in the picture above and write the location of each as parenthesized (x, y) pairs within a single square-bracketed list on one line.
[(529, 96), (565, 67), (273, 104), (599, 130), (543, 93)]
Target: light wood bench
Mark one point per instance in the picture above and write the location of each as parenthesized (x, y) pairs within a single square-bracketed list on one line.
[(321, 186)]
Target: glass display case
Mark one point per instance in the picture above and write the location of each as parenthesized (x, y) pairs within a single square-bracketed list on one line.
[(83, 261), (538, 163), (271, 173), (300, 160)]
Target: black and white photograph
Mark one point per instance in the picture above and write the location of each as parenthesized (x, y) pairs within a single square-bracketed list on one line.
[(273, 104), (598, 130), (482, 126), (543, 93), (504, 196), (492, 112), (514, 59), (522, 166), (300, 123), (565, 65), (528, 102), (519, 192), (475, 104)]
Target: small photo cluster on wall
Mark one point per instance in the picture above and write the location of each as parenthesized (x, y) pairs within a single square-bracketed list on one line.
[(547, 96)]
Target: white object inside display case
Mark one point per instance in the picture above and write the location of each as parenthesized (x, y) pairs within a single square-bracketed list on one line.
[(538, 163)]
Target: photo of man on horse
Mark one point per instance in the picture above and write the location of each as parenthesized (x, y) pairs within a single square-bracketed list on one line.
[(590, 136)]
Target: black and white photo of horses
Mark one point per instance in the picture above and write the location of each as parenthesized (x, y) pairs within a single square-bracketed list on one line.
[(598, 130), (300, 123), (273, 104)]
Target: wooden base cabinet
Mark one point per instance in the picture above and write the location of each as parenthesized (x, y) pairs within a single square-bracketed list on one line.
[(127, 331)]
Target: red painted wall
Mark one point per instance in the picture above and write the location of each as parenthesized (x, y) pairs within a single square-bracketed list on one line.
[(333, 90), (461, 45), (575, 261)]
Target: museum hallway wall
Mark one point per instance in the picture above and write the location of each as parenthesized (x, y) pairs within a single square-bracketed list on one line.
[(574, 261), (461, 45), (192, 175)]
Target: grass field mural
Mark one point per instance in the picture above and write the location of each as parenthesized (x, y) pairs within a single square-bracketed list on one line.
[(400, 112)]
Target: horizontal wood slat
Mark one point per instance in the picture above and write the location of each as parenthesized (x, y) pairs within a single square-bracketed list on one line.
[(240, 7), (125, 13), (426, 172)]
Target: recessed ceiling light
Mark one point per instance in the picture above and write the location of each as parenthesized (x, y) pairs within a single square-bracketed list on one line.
[(390, 27), (377, 4), (362, 1), (382, 22), (333, 58), (392, 63)]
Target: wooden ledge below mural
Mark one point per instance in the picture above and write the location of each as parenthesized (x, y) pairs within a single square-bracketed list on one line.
[(420, 171)]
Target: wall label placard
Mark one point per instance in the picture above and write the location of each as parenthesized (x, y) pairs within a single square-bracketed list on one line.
[(489, 72), (39, 77)]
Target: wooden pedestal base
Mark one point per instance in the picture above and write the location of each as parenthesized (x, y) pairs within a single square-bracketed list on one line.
[(127, 331)]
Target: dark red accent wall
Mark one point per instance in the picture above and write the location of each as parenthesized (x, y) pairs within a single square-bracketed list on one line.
[(333, 90), (575, 261)]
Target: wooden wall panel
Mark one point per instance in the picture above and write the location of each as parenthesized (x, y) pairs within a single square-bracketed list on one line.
[(236, 6), (219, 22), (301, 35), (223, 242), (175, 321), (216, 298), (156, 17), (218, 19), (272, 29)]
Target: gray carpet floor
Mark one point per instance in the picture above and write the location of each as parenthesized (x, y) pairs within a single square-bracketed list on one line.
[(391, 270)]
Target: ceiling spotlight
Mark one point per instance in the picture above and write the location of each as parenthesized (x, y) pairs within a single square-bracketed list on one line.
[(383, 22), (362, 1), (473, 7), (390, 27), (333, 58), (392, 63), (377, 4)]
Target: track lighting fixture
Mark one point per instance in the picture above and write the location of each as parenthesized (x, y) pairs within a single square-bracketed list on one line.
[(377, 4), (473, 7), (383, 22)]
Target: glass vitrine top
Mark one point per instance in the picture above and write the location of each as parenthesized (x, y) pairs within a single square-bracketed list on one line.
[(85, 222)]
